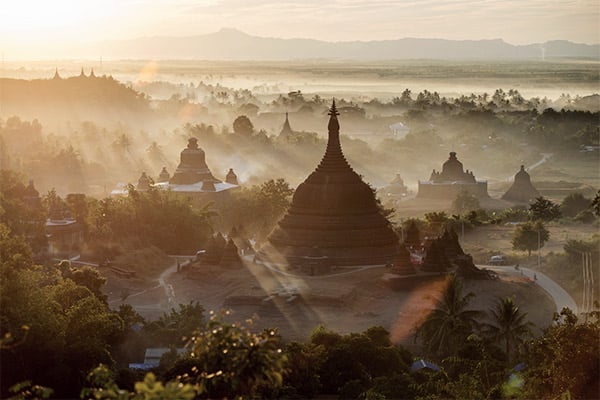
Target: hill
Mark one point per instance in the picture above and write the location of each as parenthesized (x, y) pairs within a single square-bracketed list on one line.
[(232, 44), (75, 98)]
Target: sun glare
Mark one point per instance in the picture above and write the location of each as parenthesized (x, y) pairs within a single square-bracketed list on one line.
[(29, 19)]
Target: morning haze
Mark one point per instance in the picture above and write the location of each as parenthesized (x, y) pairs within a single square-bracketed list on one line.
[(350, 199)]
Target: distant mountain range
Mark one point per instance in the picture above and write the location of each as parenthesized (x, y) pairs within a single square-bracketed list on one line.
[(232, 44)]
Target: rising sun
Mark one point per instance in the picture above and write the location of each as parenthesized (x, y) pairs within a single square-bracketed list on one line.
[(27, 18)]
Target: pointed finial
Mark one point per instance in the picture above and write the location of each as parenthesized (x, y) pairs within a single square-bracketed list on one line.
[(333, 111), (333, 125), (56, 75)]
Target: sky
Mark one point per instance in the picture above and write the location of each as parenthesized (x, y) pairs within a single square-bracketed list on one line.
[(33, 27)]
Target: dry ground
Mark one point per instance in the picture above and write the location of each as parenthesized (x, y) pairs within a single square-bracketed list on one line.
[(348, 302)]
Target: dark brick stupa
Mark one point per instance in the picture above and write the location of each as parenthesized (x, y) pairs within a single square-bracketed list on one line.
[(193, 177), (402, 263), (143, 183), (412, 236), (334, 211), (436, 259), (231, 177), (522, 189), (192, 167), (164, 175), (230, 257)]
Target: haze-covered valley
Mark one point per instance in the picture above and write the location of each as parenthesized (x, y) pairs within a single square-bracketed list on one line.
[(142, 203), (135, 116)]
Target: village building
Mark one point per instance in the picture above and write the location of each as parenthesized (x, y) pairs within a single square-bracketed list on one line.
[(452, 180), (334, 218), (64, 233)]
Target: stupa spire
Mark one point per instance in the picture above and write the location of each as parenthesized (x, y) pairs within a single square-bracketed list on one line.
[(334, 157), (286, 130), (333, 121)]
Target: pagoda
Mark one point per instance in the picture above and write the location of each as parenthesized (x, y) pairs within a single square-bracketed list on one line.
[(192, 178), (522, 190), (164, 175), (412, 236), (231, 177), (192, 166), (436, 259), (286, 130), (230, 257), (192, 175), (452, 180), (403, 263), (335, 213), (143, 183)]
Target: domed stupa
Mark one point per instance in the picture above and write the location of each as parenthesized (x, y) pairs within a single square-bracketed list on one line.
[(335, 214), (193, 175), (192, 167), (522, 190)]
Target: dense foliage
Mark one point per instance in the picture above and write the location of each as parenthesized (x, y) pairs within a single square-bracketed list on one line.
[(565, 360), (60, 327), (153, 218), (530, 236)]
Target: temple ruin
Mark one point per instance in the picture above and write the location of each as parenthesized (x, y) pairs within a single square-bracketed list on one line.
[(451, 181), (192, 176), (334, 218)]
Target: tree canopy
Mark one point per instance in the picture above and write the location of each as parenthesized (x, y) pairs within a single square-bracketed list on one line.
[(450, 321), (530, 236), (544, 210)]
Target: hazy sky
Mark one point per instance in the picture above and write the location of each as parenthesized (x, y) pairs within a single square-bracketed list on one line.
[(35, 25)]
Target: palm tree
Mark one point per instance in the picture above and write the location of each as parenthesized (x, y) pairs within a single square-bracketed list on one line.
[(509, 324), (450, 322)]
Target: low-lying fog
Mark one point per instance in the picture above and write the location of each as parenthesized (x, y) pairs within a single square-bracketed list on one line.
[(77, 134)]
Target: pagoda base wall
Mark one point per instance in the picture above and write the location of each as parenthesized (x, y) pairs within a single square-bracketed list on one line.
[(332, 257), (449, 191)]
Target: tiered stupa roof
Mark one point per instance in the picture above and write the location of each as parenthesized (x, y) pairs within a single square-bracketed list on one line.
[(452, 171), (452, 180), (193, 175), (192, 167), (336, 212), (143, 183), (164, 175), (231, 177)]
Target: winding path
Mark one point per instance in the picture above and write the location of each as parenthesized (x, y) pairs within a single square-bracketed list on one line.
[(559, 295), (169, 291)]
